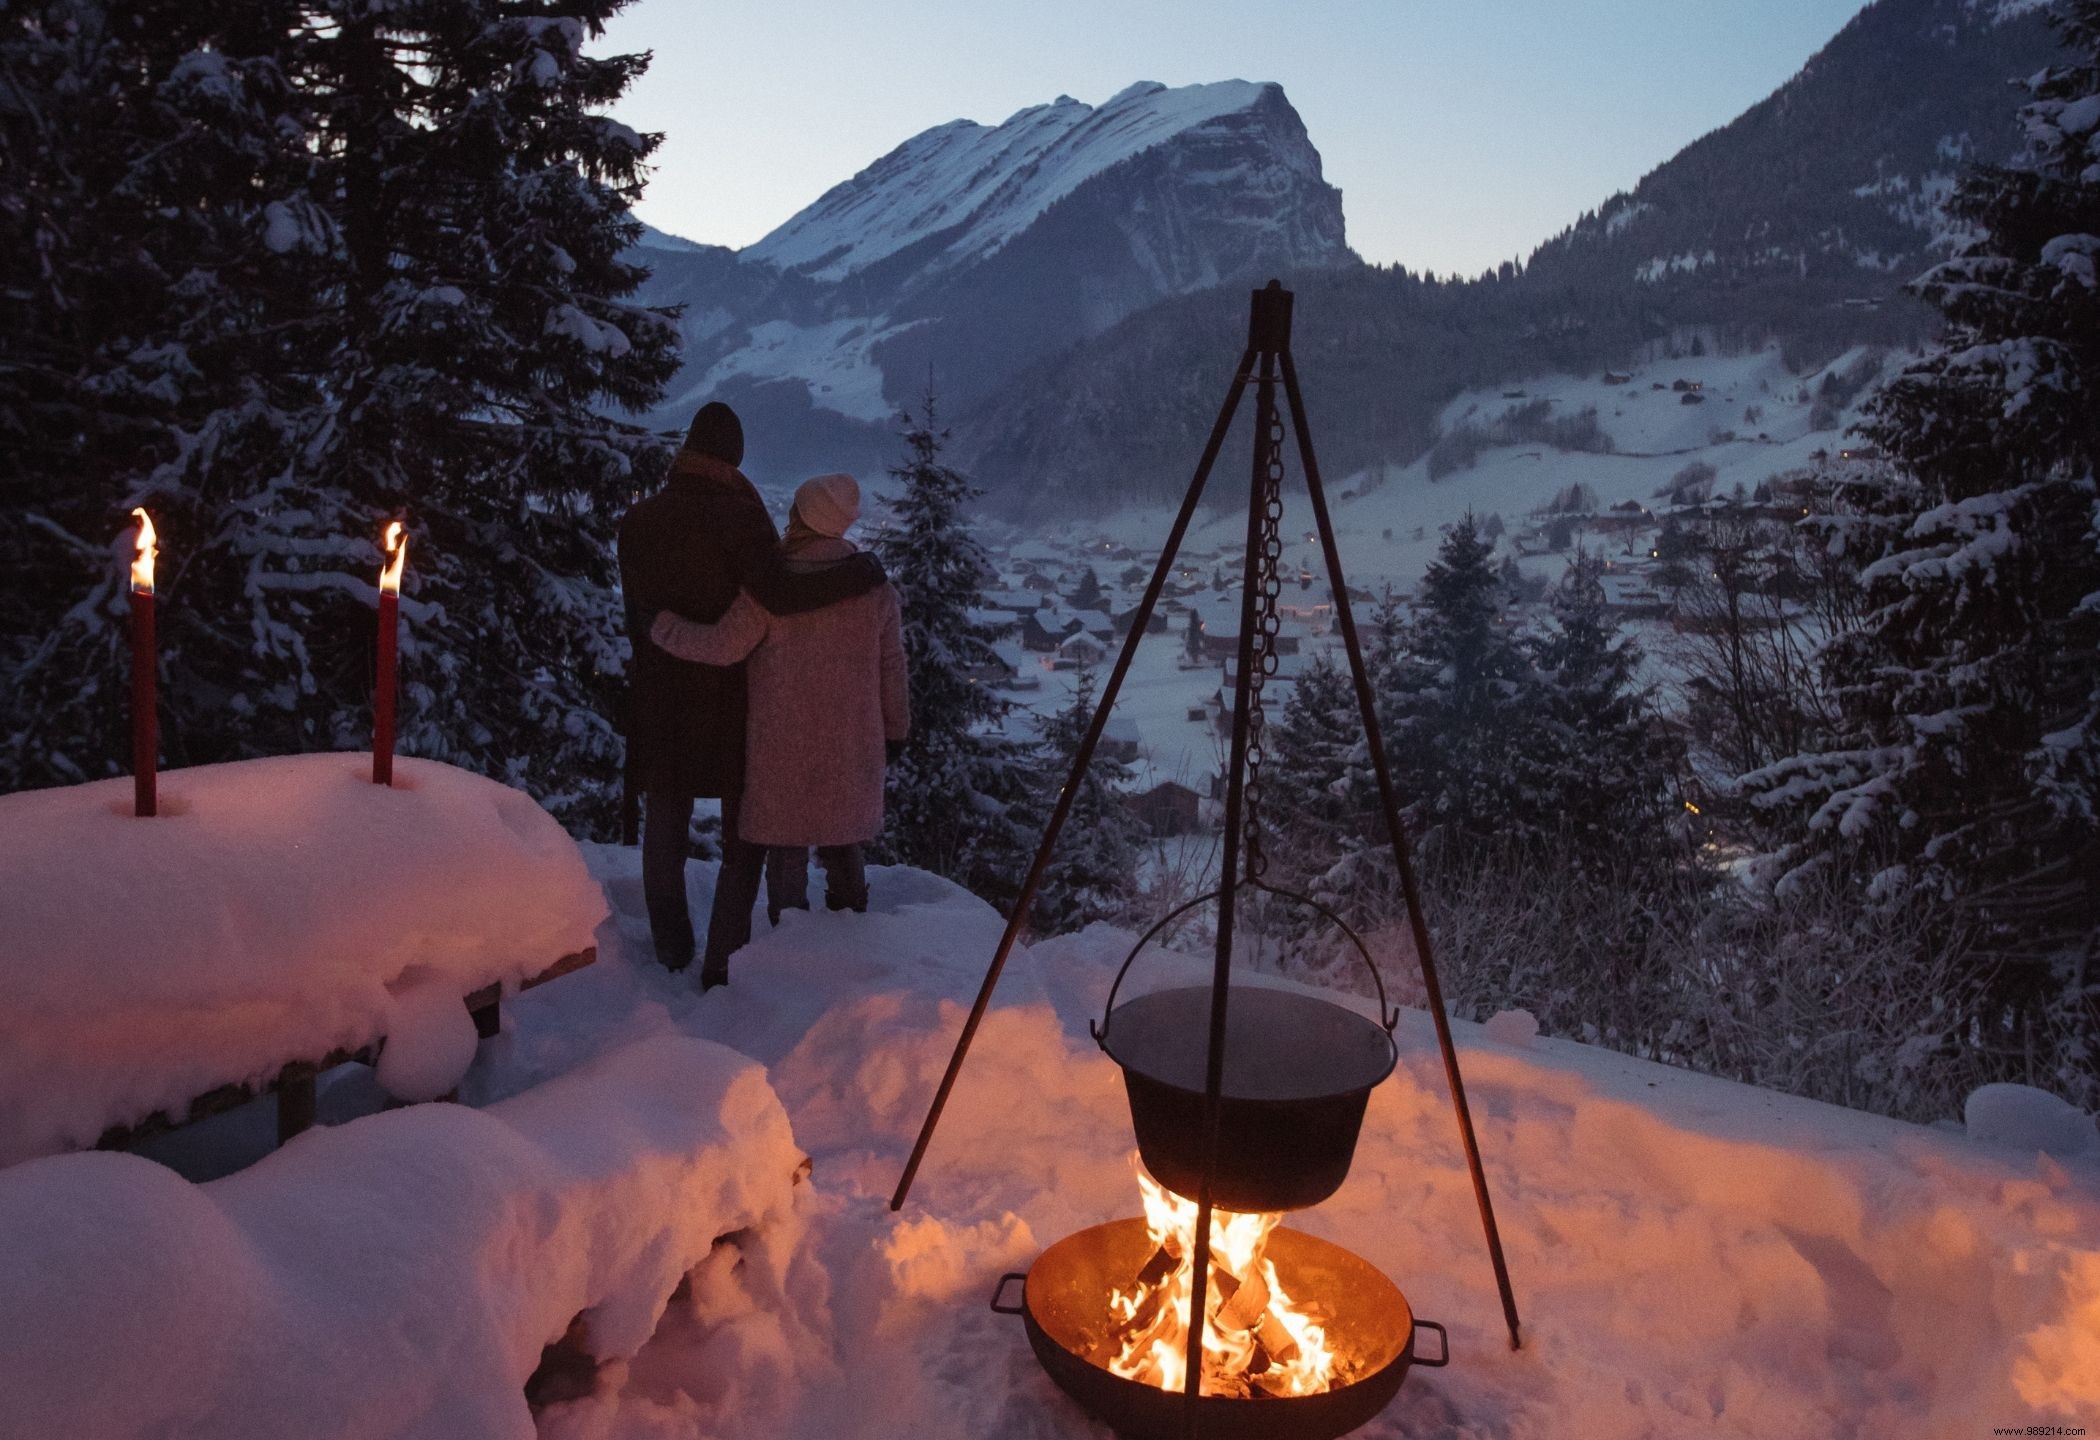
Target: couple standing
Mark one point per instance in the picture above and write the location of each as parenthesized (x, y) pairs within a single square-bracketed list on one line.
[(769, 674)]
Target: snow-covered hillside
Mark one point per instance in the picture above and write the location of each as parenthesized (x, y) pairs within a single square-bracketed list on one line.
[(1753, 419)]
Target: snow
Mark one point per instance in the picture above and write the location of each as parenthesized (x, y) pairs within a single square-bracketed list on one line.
[(593, 335), (1692, 1256), (259, 919), (2024, 1118), (1514, 1028), (981, 185), (394, 1277), (430, 1041), (836, 358)]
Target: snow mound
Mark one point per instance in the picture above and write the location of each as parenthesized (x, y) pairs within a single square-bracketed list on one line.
[(259, 919), (430, 1042), (1514, 1028), (2024, 1118), (394, 1277)]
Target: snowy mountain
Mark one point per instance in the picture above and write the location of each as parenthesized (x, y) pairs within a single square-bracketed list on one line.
[(1797, 224), (981, 249), (1841, 172)]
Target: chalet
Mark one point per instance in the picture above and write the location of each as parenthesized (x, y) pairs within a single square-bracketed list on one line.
[(1120, 739), (1157, 625), (1036, 636), (1096, 623), (1080, 648), (1168, 808), (1618, 377), (1015, 602)]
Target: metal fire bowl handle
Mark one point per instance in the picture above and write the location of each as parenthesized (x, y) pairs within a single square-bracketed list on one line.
[(1443, 1357), (1009, 1277), (1388, 1015)]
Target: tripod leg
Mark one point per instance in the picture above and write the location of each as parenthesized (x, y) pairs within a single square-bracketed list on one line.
[(1389, 800), (1080, 762), (1228, 886)]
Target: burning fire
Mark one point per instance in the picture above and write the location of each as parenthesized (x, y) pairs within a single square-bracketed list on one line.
[(1255, 1337), (397, 549), (142, 562)]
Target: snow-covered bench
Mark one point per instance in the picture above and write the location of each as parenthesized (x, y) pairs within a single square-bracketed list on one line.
[(401, 1275), (276, 917)]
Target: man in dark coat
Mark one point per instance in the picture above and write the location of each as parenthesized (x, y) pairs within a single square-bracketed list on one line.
[(688, 549)]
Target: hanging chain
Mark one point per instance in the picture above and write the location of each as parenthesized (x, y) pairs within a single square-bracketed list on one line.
[(1261, 664)]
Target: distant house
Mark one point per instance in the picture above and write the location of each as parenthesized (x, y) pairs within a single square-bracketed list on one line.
[(1096, 623), (1081, 648), (1015, 602), (1691, 397), (1041, 639), (1617, 377), (1120, 738), (1168, 808), (1689, 386), (1157, 625)]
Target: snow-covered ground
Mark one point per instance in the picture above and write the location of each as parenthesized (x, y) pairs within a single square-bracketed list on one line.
[(1692, 1257)]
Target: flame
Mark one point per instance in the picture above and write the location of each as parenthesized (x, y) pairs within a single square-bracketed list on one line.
[(142, 562), (397, 547), (1279, 1347)]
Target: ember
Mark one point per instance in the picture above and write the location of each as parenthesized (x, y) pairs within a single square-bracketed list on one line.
[(1256, 1338)]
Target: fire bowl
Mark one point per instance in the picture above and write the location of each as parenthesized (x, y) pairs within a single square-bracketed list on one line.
[(1298, 1072), (1064, 1304)]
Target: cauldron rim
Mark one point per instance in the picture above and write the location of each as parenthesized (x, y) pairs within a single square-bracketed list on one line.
[(1357, 1085)]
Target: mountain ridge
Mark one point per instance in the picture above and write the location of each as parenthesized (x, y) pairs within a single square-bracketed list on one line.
[(983, 249)]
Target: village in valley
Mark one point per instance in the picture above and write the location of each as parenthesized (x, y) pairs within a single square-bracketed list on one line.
[(1691, 520)]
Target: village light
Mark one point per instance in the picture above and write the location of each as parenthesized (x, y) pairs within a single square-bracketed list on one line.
[(145, 700), (396, 547)]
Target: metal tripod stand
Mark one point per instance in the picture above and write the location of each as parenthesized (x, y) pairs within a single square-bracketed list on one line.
[(1266, 359)]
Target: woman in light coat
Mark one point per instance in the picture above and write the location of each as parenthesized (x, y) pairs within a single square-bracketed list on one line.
[(828, 696)]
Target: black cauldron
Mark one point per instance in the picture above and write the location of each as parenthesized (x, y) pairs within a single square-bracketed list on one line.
[(1299, 1070)]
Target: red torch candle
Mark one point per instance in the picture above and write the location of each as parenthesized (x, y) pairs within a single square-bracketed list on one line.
[(145, 724), (389, 628)]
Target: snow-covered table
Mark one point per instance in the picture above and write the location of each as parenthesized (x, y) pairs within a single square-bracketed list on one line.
[(276, 916)]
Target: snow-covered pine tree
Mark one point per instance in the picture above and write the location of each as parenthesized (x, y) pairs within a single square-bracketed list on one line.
[(1597, 771), (1093, 870), (478, 204), (1086, 595), (159, 349), (305, 267), (954, 797), (1967, 769), (1322, 795), (1459, 696)]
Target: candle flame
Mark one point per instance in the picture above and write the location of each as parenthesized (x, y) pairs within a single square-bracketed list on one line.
[(142, 562), (397, 548)]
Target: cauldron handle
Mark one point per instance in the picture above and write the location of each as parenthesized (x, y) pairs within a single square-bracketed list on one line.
[(1387, 1015)]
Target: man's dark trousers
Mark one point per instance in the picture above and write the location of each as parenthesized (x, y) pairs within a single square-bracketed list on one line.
[(667, 819)]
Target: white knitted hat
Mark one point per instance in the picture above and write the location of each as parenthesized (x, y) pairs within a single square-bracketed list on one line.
[(829, 504)]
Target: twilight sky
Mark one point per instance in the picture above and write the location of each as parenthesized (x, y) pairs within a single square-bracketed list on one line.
[(1461, 134)]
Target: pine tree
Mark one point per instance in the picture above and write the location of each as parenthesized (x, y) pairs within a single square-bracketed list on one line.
[(954, 794), (1967, 767), (346, 262), (1087, 594), (1459, 697), (1093, 869), (1597, 770)]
